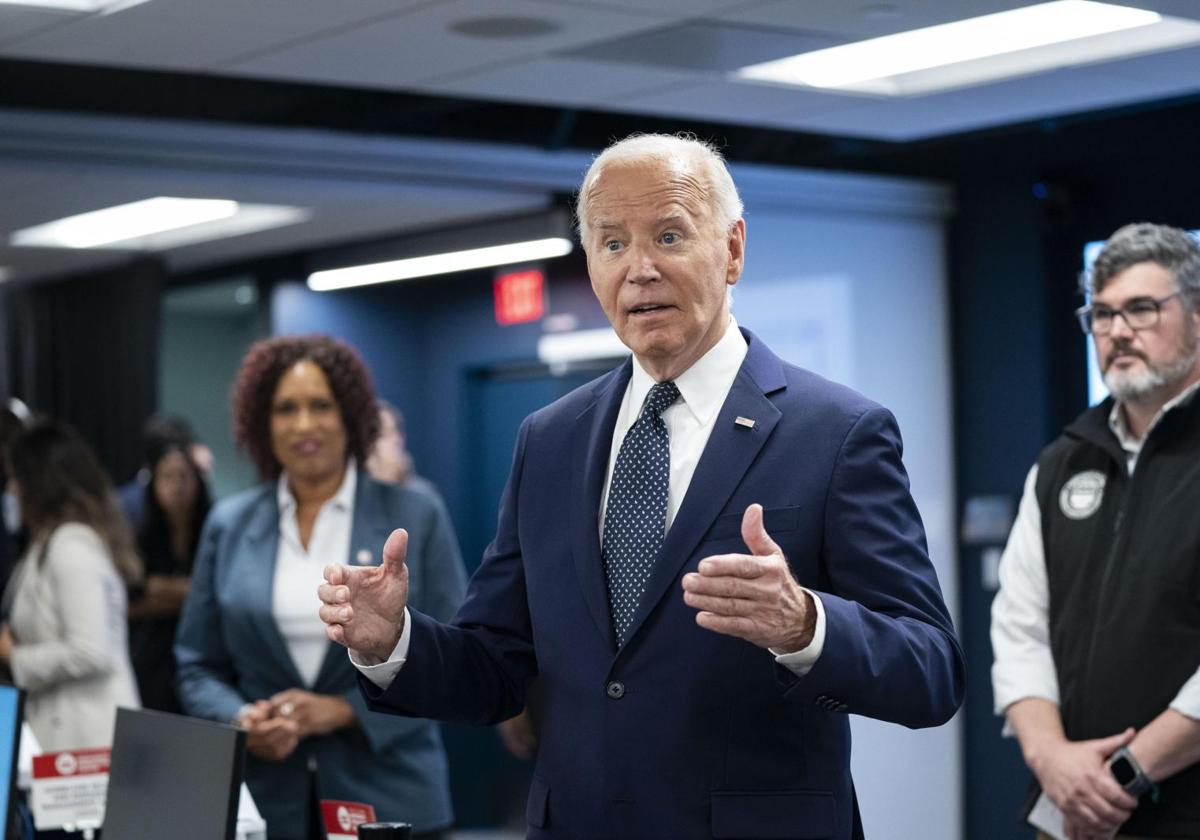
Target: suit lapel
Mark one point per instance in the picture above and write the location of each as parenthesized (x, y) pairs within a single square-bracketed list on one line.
[(591, 445), (257, 576), (730, 451)]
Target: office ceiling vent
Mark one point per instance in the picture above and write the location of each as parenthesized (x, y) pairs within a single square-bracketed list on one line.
[(705, 45), (507, 26)]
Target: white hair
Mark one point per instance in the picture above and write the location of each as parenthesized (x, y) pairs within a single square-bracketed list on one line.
[(686, 149)]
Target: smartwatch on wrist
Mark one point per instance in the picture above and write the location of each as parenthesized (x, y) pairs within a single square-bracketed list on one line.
[(1129, 774)]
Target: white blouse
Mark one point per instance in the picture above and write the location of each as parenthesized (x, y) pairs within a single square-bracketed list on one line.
[(299, 571)]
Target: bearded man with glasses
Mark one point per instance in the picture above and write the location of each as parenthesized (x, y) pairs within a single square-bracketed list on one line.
[(1096, 628)]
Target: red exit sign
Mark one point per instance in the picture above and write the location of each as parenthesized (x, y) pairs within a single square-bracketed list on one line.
[(519, 296)]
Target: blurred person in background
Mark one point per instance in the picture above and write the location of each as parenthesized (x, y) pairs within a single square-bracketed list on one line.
[(1096, 627), (390, 461), (251, 648), (66, 640), (11, 427), (159, 430), (175, 504)]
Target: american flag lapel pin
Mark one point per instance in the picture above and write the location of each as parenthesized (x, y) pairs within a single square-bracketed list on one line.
[(746, 421)]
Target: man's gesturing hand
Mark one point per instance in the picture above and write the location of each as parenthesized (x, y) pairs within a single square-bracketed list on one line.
[(752, 596), (363, 607)]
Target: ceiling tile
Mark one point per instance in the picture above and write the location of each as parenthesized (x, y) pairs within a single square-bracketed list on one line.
[(857, 19), (704, 45), (1175, 67), (184, 34), (719, 100), (17, 22), (674, 8), (563, 81), (420, 46)]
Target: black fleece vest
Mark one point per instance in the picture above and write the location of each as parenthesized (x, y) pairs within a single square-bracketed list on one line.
[(1122, 557)]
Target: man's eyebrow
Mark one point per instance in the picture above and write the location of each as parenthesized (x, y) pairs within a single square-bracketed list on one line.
[(674, 219), (1126, 302)]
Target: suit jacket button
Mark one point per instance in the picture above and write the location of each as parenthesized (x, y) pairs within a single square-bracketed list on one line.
[(615, 690)]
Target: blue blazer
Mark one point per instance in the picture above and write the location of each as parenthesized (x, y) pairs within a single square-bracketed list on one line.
[(230, 651), (684, 733)]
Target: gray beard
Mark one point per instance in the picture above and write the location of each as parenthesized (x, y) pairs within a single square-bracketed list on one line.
[(1137, 387)]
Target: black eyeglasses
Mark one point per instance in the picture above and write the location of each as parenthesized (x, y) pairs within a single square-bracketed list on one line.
[(1140, 314)]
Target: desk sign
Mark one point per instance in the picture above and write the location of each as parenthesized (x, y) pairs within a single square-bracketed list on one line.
[(68, 789), (343, 818)]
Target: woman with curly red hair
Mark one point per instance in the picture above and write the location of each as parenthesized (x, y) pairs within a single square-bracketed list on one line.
[(251, 648)]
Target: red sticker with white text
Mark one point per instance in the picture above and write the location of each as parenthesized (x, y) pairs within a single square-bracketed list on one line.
[(343, 818), (68, 789)]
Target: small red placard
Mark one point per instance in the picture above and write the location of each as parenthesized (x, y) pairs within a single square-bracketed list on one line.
[(343, 818)]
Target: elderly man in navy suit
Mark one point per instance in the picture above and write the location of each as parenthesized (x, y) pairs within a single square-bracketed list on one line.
[(710, 557)]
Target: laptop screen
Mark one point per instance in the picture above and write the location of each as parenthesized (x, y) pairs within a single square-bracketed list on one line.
[(173, 776)]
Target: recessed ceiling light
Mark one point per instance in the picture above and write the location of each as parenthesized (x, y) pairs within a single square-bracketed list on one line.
[(157, 223), (981, 49), (407, 269), (506, 26)]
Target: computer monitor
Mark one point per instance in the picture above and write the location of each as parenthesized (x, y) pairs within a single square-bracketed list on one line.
[(11, 701), (173, 776)]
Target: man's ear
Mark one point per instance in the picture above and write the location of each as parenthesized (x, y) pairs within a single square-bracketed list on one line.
[(737, 251)]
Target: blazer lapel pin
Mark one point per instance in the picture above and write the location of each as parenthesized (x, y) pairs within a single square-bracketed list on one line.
[(746, 421)]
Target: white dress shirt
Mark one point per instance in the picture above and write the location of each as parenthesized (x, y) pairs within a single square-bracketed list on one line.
[(690, 420), (1024, 664), (299, 571)]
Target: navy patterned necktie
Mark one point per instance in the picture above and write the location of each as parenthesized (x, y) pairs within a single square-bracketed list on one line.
[(635, 518)]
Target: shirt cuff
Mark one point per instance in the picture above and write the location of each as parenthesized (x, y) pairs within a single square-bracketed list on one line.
[(382, 673), (1187, 701), (800, 662)]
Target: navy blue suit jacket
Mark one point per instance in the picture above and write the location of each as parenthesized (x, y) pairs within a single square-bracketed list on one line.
[(684, 733)]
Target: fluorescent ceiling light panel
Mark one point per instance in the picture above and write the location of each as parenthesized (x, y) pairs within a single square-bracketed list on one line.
[(156, 224), (82, 6), (124, 222), (981, 49), (407, 269), (250, 218)]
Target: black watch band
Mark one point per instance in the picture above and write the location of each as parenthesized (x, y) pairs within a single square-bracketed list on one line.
[(1128, 773)]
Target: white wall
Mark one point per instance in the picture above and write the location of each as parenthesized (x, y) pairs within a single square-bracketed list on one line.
[(845, 278)]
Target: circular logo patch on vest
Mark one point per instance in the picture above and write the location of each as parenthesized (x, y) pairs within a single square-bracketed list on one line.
[(1082, 494)]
